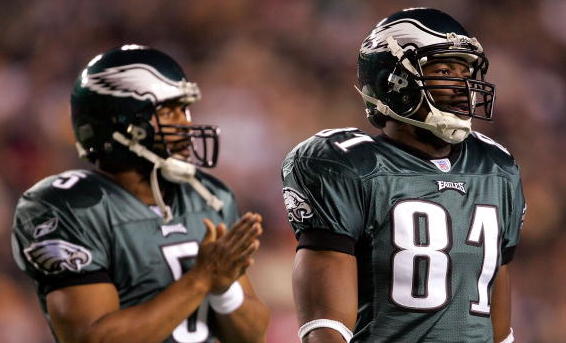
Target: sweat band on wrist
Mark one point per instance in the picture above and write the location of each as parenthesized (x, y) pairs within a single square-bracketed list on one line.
[(228, 301), (325, 323), (510, 338)]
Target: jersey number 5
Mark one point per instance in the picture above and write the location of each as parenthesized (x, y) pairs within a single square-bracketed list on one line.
[(421, 270), (193, 329)]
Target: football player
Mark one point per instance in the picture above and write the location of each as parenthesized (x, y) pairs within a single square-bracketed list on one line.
[(406, 236), (138, 250)]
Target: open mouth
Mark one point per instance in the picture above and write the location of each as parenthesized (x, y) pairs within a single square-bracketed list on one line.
[(460, 106), (181, 149)]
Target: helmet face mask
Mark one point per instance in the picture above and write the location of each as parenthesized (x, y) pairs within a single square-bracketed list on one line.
[(394, 84), (197, 144), (479, 93), (121, 91)]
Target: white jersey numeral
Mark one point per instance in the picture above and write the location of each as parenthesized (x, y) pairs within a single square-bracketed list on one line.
[(345, 145), (194, 328), (485, 230), (405, 216), (360, 138), (68, 179), (428, 250), (332, 132), (488, 140)]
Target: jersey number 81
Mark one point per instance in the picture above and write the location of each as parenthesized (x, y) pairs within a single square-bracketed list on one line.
[(410, 256)]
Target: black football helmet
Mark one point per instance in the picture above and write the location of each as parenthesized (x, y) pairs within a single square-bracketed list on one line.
[(391, 78), (120, 91)]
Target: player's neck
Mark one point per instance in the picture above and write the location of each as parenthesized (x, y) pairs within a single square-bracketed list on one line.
[(416, 138), (133, 182)]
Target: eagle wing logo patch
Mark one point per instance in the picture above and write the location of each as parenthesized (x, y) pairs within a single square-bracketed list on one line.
[(140, 81), (297, 207), (55, 256)]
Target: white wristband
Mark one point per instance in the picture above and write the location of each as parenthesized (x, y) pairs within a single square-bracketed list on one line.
[(228, 301), (326, 323), (510, 338)]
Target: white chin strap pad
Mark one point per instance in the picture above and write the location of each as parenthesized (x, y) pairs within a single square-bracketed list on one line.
[(448, 126), (444, 125)]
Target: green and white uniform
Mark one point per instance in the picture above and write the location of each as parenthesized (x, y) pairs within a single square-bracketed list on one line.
[(428, 235), (79, 227)]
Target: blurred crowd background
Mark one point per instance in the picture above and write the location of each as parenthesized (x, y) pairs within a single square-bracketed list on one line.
[(272, 73)]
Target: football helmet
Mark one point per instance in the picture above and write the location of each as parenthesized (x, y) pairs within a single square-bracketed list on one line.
[(390, 72), (114, 102), (120, 91)]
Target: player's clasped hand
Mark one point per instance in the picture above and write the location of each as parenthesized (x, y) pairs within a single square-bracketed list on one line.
[(225, 255)]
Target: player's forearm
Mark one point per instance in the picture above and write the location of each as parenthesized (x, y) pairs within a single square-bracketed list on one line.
[(154, 320), (501, 305), (247, 324)]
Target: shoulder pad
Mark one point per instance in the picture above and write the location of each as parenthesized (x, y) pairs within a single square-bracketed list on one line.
[(493, 150), (349, 149), (215, 186), (73, 189)]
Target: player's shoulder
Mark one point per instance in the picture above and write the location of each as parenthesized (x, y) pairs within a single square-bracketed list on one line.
[(492, 151), (214, 184), (344, 150), (61, 194), (69, 189), (54, 200)]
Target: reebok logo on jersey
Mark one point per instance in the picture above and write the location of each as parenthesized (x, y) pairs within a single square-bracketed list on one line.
[(296, 204), (44, 228), (167, 230), (446, 185), (55, 256)]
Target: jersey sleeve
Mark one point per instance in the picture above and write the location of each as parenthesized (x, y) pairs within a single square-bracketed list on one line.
[(512, 232), (324, 201), (55, 247)]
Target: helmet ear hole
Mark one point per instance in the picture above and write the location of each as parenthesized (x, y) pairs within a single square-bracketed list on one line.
[(403, 95), (142, 131)]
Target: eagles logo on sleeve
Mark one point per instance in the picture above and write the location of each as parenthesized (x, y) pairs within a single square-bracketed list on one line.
[(296, 205), (55, 256)]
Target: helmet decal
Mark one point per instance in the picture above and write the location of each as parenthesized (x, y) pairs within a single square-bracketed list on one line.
[(405, 31), (140, 81)]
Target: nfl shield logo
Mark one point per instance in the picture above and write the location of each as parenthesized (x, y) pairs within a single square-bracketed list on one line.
[(443, 164)]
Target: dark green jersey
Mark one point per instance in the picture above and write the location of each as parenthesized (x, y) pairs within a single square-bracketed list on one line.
[(79, 227), (428, 235)]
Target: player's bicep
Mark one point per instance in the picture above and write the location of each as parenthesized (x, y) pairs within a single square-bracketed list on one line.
[(325, 287), (75, 310)]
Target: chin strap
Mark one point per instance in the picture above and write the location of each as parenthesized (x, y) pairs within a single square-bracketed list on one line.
[(444, 125), (154, 183), (173, 170)]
